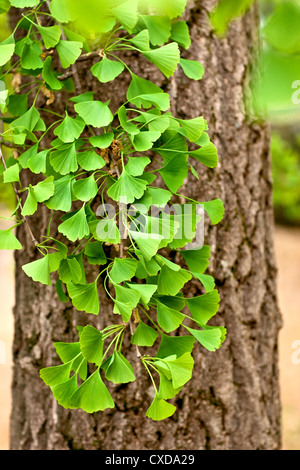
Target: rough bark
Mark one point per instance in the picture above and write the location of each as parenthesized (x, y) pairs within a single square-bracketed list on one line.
[(232, 401)]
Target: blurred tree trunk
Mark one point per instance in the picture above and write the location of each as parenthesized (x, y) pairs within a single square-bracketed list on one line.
[(232, 401)]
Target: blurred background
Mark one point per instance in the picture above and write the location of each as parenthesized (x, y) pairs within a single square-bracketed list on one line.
[(277, 97)]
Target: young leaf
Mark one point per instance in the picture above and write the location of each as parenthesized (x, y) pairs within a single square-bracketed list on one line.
[(141, 40), (8, 241), (70, 129), (56, 374), (68, 52), (215, 210), (39, 270), (168, 318), (107, 70), (30, 205), (91, 344), (62, 198), (84, 297), (102, 141), (44, 189), (146, 291), (85, 189), (210, 339), (7, 48), (204, 307), (38, 162), (126, 300), (92, 395), (166, 389), (50, 35), (63, 392), (174, 172), (178, 345), (181, 34), (31, 55), (64, 160), (197, 260), (207, 155), (76, 226), (181, 369), (160, 409), (171, 282), (192, 68), (123, 269), (148, 243), (127, 188), (119, 369), (11, 174), (144, 335), (166, 58), (94, 113), (192, 128), (90, 160), (144, 140), (136, 165), (159, 28), (95, 253), (207, 281)]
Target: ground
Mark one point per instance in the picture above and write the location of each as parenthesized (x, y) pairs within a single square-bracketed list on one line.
[(287, 245)]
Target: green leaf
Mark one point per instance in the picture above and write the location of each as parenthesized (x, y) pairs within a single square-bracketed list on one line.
[(50, 75), (94, 113), (160, 409), (204, 307), (92, 395), (127, 188), (123, 269), (126, 14), (60, 10), (95, 253), (84, 297), (30, 205), (178, 345), (166, 58), (181, 34), (44, 189), (144, 140), (210, 339), (62, 198), (215, 210), (207, 281), (17, 104), (75, 227), (12, 174), (159, 28), (192, 68), (225, 11), (107, 231), (8, 241), (63, 392), (126, 300), (171, 282), (136, 165), (39, 270), (30, 56), (7, 48), (85, 189), (168, 318), (140, 86), (90, 160), (56, 375), (174, 172), (160, 197), (181, 369), (70, 129), (146, 291), (148, 243), (50, 35), (107, 70), (4, 6), (208, 155), (38, 162), (69, 271), (68, 52), (119, 369), (102, 141), (24, 3), (144, 335), (28, 120), (192, 128), (91, 344), (197, 260), (64, 160), (141, 40), (166, 389)]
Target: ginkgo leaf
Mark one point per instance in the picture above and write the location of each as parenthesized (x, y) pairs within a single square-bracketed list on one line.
[(197, 260), (44, 189), (56, 374), (215, 210), (68, 52), (210, 339), (102, 141), (166, 58), (123, 269), (30, 205), (107, 231), (50, 75), (127, 188), (140, 86), (204, 307), (39, 270), (12, 174), (94, 113), (85, 189), (144, 140), (95, 253), (146, 291), (7, 48), (148, 243), (181, 34), (38, 162), (136, 165), (69, 270), (76, 226), (31, 55), (50, 35), (107, 70), (92, 395), (141, 40), (144, 335), (70, 129), (168, 318), (159, 28), (178, 345), (63, 392), (84, 297), (8, 241), (62, 198), (160, 409), (119, 369), (175, 172), (91, 344), (90, 160), (208, 155), (171, 282), (64, 160), (192, 68), (24, 3), (192, 128), (126, 13)]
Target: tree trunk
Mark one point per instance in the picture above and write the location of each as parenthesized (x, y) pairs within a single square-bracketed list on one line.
[(232, 401)]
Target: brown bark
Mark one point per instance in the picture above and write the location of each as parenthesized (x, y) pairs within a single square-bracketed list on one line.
[(232, 401)]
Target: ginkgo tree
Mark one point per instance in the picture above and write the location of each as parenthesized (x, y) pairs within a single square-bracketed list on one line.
[(116, 156)]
